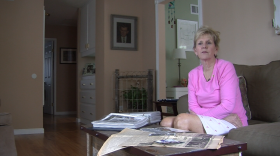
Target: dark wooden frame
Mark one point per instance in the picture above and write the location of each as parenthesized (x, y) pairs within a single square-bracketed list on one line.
[(131, 21), (73, 57), (149, 77), (173, 105)]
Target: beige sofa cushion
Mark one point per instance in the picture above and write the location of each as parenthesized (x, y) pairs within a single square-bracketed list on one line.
[(5, 119), (182, 104), (243, 91), (7, 141), (262, 139), (263, 84)]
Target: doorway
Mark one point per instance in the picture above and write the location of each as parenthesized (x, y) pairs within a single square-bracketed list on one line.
[(49, 75)]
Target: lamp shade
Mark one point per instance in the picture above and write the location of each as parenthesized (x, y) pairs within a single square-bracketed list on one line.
[(179, 54)]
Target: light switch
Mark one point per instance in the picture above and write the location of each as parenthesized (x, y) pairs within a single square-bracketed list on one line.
[(34, 76)]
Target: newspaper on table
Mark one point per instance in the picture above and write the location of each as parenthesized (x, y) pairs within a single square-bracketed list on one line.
[(131, 137), (127, 120)]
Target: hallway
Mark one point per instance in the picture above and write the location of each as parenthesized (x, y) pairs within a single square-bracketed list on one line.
[(62, 137)]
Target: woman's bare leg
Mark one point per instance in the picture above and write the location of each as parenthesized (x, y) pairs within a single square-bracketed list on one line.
[(189, 122), (168, 121)]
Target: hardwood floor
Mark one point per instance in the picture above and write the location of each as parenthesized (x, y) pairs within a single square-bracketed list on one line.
[(62, 137)]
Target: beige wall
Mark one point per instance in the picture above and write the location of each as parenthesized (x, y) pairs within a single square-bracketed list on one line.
[(21, 50), (66, 89), (108, 60), (247, 36)]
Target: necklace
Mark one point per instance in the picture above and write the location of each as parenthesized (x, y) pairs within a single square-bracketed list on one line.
[(208, 71), (208, 75)]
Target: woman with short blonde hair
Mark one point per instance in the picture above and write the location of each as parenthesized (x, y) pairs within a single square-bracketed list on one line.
[(214, 97)]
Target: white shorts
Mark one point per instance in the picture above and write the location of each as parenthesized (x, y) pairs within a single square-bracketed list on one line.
[(215, 126)]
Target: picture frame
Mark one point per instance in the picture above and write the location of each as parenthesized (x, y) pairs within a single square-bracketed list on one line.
[(185, 34), (89, 69), (124, 26), (68, 55)]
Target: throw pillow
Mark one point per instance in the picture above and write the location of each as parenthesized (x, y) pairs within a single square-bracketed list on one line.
[(243, 90)]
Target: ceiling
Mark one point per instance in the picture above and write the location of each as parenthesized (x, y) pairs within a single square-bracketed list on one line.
[(62, 12)]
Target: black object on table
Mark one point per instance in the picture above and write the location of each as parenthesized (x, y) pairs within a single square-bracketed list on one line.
[(169, 103)]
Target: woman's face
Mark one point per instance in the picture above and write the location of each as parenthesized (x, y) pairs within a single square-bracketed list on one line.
[(205, 47)]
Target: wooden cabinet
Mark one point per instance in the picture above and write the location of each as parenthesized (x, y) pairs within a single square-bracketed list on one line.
[(87, 99), (87, 29)]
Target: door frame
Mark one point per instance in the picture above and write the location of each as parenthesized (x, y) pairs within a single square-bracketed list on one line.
[(53, 91), (160, 52)]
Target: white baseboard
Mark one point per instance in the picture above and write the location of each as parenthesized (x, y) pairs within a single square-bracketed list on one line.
[(28, 131), (65, 113)]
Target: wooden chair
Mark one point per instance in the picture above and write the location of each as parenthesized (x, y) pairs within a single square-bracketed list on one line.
[(181, 106)]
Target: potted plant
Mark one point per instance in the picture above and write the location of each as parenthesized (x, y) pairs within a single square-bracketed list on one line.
[(136, 97)]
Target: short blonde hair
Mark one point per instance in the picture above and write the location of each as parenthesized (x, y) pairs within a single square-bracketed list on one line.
[(205, 30)]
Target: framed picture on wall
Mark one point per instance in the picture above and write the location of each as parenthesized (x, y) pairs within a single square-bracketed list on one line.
[(185, 34), (68, 55), (123, 32)]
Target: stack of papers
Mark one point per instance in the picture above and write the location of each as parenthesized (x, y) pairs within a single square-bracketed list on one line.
[(127, 120), (154, 117)]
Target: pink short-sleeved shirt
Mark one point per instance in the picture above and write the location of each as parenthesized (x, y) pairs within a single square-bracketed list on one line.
[(218, 97)]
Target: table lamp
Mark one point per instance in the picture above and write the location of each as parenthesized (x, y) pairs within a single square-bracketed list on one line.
[(179, 54)]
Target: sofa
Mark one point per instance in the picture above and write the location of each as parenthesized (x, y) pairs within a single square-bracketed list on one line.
[(7, 140), (260, 90)]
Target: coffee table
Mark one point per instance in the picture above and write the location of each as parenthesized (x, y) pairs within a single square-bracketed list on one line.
[(95, 140)]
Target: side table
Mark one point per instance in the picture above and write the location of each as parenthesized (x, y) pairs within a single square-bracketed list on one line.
[(169, 104)]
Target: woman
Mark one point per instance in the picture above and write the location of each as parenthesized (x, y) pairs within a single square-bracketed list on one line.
[(214, 97)]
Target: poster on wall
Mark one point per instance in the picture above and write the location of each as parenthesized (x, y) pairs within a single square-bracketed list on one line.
[(185, 34)]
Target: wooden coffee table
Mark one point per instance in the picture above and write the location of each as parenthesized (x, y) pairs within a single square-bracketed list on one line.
[(95, 140)]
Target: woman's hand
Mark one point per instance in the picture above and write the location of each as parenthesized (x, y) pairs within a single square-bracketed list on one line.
[(193, 113), (234, 119)]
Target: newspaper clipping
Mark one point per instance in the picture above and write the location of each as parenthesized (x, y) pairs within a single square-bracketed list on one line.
[(132, 137)]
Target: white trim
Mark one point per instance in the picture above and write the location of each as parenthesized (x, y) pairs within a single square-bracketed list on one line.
[(28, 131), (157, 47), (65, 113), (157, 52), (200, 15), (78, 120), (54, 74), (43, 71)]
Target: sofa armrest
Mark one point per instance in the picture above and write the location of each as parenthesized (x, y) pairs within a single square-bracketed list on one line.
[(262, 139), (182, 104), (5, 119), (7, 141)]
